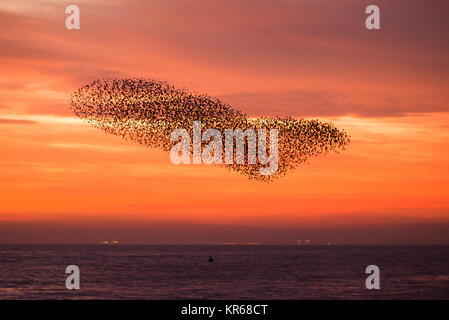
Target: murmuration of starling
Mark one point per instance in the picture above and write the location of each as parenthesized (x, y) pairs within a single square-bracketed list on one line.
[(146, 111)]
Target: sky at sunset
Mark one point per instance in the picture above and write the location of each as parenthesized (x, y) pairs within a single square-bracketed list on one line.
[(62, 180)]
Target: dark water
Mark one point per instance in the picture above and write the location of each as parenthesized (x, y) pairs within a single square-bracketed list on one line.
[(239, 272)]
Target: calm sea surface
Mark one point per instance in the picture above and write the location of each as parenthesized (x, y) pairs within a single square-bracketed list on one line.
[(238, 272)]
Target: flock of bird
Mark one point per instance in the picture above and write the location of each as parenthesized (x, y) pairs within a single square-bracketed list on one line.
[(146, 111)]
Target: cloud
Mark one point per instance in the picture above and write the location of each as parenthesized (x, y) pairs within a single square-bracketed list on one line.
[(314, 103), (86, 146), (27, 49), (44, 119), (301, 58), (81, 74), (39, 8), (16, 121)]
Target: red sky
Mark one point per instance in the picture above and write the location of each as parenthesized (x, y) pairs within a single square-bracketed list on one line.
[(388, 89)]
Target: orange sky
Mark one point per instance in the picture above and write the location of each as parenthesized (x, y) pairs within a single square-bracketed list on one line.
[(388, 89)]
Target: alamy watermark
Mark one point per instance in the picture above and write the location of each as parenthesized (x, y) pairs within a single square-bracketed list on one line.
[(372, 22), (72, 22), (373, 280), (212, 153), (72, 282)]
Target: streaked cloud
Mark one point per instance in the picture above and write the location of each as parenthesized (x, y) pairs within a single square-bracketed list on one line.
[(86, 146), (16, 121)]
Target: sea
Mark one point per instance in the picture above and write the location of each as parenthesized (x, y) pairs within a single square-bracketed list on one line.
[(237, 272)]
